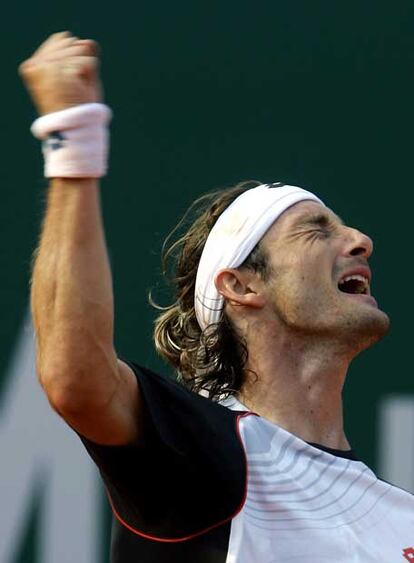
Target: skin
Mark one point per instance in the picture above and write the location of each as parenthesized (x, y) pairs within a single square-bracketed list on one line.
[(301, 331)]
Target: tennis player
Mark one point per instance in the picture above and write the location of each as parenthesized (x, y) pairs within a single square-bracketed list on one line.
[(244, 459)]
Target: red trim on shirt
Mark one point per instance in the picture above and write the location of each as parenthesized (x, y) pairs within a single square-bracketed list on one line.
[(191, 536)]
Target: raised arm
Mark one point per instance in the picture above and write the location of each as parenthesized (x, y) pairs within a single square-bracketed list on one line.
[(71, 293)]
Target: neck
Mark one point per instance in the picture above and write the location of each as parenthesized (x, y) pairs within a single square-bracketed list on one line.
[(296, 382)]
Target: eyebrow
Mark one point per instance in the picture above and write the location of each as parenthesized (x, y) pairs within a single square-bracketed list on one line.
[(319, 219)]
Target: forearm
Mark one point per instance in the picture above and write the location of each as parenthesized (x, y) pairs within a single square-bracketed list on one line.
[(71, 297)]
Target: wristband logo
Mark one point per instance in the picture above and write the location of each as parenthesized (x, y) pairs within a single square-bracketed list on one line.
[(54, 141)]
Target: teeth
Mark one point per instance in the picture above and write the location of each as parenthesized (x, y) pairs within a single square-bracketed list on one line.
[(356, 277)]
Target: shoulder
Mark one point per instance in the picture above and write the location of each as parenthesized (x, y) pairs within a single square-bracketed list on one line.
[(190, 462), (182, 416)]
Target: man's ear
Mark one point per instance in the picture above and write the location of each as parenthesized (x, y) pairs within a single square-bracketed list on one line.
[(240, 288)]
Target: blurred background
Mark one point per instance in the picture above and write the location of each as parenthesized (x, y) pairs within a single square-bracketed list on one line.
[(318, 94)]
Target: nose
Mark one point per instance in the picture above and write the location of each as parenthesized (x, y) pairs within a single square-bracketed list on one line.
[(358, 244)]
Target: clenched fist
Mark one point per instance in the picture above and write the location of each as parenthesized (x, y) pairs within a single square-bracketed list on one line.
[(63, 72)]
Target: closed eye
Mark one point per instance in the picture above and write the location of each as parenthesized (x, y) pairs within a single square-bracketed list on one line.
[(321, 221), (318, 225), (325, 232)]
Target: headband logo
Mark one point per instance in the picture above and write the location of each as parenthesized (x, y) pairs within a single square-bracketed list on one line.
[(275, 185)]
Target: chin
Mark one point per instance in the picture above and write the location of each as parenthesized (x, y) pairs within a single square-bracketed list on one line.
[(367, 328)]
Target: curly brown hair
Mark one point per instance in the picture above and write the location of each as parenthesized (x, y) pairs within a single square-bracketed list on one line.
[(212, 360)]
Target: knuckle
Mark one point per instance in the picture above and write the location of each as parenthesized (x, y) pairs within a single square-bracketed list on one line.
[(88, 63), (92, 43), (89, 48), (21, 68), (25, 67), (92, 61)]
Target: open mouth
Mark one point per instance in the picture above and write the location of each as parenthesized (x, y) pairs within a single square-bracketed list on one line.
[(355, 284)]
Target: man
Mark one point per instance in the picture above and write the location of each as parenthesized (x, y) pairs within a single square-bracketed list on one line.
[(273, 302)]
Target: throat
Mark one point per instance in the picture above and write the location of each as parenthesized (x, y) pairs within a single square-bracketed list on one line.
[(296, 382)]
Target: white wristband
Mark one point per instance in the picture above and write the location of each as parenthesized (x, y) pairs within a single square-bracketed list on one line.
[(75, 141)]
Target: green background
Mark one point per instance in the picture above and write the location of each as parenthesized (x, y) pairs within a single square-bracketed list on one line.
[(317, 94)]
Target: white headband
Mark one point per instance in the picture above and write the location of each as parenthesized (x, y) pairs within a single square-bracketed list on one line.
[(234, 235)]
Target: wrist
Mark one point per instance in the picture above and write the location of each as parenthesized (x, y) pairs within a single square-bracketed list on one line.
[(68, 183), (75, 141)]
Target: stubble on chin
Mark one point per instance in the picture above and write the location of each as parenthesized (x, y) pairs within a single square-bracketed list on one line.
[(364, 330)]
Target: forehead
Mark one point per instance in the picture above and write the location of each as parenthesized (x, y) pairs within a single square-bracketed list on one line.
[(308, 210), (301, 214)]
